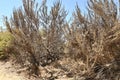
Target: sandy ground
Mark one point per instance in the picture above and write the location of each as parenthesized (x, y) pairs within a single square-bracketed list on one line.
[(7, 72)]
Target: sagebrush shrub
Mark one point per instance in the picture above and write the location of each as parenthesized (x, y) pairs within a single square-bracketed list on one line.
[(94, 38), (32, 48)]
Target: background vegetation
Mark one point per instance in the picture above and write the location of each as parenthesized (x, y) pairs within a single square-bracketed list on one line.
[(5, 41)]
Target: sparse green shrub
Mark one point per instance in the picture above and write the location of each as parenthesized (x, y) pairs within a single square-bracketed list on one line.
[(5, 40)]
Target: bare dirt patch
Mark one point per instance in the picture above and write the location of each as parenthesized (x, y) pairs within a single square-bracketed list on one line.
[(8, 72)]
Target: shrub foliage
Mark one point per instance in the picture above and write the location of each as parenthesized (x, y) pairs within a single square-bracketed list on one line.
[(94, 38), (5, 41), (42, 37), (31, 47)]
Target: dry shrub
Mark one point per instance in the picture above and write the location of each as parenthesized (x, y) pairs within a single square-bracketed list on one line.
[(90, 41), (52, 23), (30, 47), (94, 38)]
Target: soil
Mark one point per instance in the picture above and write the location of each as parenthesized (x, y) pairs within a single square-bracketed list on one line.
[(11, 71), (8, 72)]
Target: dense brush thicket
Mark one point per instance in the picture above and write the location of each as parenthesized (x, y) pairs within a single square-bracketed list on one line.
[(94, 38), (42, 37)]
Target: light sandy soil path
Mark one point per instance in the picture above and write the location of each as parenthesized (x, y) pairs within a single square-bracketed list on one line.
[(7, 72)]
